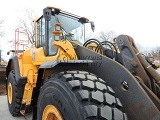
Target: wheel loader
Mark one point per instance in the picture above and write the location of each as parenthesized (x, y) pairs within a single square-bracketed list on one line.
[(62, 78)]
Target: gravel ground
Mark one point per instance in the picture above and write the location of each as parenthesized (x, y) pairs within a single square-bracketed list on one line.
[(4, 113), (158, 70)]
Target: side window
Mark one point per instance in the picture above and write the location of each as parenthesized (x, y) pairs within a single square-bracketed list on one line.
[(41, 32), (44, 35)]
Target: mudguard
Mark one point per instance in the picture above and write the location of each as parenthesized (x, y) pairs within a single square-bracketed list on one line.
[(14, 62), (54, 63)]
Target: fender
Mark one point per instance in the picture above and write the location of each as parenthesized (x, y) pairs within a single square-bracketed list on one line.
[(14, 65), (54, 63)]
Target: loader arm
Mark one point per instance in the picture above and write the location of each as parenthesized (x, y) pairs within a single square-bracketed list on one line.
[(136, 103), (129, 74), (133, 60)]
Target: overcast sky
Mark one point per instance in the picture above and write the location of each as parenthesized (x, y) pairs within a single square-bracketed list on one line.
[(138, 18)]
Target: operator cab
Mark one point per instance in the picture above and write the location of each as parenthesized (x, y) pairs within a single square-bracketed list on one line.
[(72, 28)]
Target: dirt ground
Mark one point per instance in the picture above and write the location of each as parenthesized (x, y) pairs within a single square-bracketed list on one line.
[(2, 89), (2, 81)]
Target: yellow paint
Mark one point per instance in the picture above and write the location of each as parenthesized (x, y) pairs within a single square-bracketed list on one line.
[(10, 97), (29, 70), (27, 96), (93, 47), (29, 64), (51, 113), (57, 33), (66, 49)]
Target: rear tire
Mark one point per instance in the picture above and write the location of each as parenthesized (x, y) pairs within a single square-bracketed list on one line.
[(78, 95), (14, 102), (14, 96)]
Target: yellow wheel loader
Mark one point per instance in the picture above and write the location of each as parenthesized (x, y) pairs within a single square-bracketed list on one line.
[(59, 78)]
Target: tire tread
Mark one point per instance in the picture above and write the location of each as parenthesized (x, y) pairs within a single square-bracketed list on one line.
[(95, 96)]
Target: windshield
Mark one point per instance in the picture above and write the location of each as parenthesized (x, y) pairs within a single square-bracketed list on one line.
[(71, 28), (68, 23), (78, 34)]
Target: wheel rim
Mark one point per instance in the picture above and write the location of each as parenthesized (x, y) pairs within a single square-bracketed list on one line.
[(51, 113), (10, 93)]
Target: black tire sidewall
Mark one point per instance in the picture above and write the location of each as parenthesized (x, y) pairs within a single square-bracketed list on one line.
[(56, 93), (11, 80)]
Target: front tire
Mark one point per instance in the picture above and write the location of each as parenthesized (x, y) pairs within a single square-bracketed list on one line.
[(78, 95)]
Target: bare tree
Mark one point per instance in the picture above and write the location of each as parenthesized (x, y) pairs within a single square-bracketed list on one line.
[(107, 35), (1, 27), (157, 51), (153, 53), (140, 47), (89, 34), (26, 24)]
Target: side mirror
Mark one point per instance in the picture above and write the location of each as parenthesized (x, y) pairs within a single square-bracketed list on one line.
[(47, 14), (92, 26)]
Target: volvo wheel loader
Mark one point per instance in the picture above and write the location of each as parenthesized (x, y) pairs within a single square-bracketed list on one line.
[(60, 78)]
